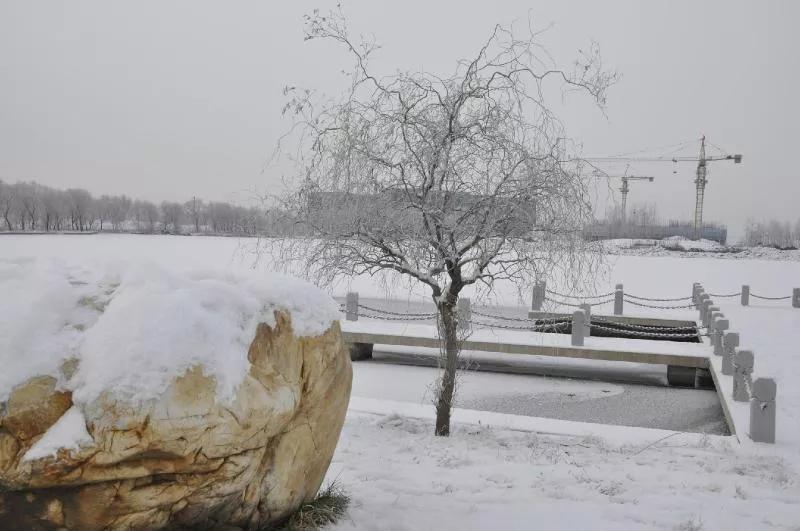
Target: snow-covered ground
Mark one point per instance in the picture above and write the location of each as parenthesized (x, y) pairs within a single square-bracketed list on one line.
[(521, 472), (401, 477)]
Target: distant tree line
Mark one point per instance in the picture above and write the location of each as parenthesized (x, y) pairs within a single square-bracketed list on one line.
[(32, 207), (772, 233)]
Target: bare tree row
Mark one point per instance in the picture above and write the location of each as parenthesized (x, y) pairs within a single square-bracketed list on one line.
[(772, 234), (29, 206)]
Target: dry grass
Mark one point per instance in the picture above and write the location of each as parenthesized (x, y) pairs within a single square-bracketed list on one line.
[(329, 505)]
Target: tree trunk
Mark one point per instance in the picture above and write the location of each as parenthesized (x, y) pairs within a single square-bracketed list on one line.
[(449, 337)]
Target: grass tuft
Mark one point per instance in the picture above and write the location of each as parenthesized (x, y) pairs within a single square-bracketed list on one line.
[(330, 504)]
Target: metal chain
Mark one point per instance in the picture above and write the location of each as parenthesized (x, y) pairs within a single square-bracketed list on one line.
[(389, 318), (387, 312), (770, 298), (527, 328), (647, 327), (564, 303), (730, 295), (520, 319), (643, 334), (657, 300), (579, 297), (660, 307)]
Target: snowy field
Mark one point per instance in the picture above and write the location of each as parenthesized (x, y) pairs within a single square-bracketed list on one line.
[(518, 471)]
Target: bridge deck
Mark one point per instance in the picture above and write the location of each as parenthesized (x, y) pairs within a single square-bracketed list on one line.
[(691, 355)]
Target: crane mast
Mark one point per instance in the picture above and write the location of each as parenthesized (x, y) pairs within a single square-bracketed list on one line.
[(700, 186), (624, 189)]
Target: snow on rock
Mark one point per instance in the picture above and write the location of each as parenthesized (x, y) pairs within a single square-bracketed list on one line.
[(192, 400), (133, 327), (69, 433), (37, 302)]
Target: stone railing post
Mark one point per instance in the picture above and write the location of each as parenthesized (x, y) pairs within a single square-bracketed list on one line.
[(762, 410), (695, 293), (745, 295), (537, 297), (730, 342), (701, 296), (742, 374), (796, 298), (618, 300), (587, 328), (578, 327), (710, 317), (351, 307), (721, 326), (464, 313), (705, 304)]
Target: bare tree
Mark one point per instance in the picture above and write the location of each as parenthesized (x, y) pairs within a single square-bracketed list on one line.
[(150, 215), (194, 209), (450, 181), (80, 209), (171, 216), (30, 203), (7, 198)]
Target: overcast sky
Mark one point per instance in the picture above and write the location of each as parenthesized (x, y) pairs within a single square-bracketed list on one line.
[(163, 100)]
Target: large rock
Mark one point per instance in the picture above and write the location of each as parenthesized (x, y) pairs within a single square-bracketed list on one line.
[(184, 460)]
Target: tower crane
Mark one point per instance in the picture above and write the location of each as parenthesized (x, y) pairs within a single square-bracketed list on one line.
[(700, 179), (624, 189)]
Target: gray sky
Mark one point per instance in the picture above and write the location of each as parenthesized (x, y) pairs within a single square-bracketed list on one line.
[(164, 100)]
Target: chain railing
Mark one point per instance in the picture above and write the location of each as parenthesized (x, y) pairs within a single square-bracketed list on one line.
[(770, 298), (643, 334), (564, 303), (646, 327), (659, 307), (582, 297)]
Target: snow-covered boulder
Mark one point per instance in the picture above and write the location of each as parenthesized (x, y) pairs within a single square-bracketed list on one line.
[(147, 399)]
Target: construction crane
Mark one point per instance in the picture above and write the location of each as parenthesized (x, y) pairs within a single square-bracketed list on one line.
[(624, 189), (700, 180)]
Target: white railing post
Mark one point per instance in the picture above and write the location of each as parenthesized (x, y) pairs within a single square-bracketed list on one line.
[(742, 374), (578, 324), (351, 306), (762, 410), (537, 297), (464, 313), (721, 326), (710, 317), (745, 295), (705, 302), (587, 328), (730, 341), (701, 296)]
